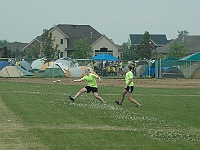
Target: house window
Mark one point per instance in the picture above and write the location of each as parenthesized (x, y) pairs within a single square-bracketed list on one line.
[(103, 49), (61, 41), (61, 54)]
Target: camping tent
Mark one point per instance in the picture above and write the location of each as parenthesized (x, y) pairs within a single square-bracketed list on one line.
[(3, 64), (173, 72), (67, 62), (47, 64), (62, 66), (159, 65), (53, 72), (104, 57), (25, 65), (10, 71), (37, 64), (196, 73), (195, 56), (77, 72), (25, 73)]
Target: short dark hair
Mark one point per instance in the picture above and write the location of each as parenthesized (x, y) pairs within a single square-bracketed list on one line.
[(130, 67)]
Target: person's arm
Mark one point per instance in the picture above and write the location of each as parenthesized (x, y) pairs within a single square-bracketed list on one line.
[(99, 79), (130, 80), (78, 80)]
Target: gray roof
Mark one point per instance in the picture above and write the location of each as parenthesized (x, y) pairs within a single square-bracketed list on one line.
[(191, 43), (77, 32), (15, 46), (158, 39)]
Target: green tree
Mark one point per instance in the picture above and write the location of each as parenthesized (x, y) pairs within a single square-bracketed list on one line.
[(128, 51), (3, 42), (177, 50), (48, 49), (6, 52), (33, 52), (156, 55), (82, 49), (182, 33), (145, 49), (16, 53)]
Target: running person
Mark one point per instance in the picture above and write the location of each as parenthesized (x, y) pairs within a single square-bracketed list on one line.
[(91, 86), (128, 88)]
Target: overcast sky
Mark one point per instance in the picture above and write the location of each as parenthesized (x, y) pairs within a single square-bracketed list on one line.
[(23, 20)]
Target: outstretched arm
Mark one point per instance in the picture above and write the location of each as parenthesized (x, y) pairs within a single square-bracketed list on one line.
[(78, 80), (99, 79)]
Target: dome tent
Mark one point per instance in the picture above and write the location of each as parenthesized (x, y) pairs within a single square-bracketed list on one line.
[(25, 65), (78, 71), (47, 64), (173, 72), (25, 73), (67, 62), (37, 64), (53, 72), (196, 73), (3, 64), (10, 71)]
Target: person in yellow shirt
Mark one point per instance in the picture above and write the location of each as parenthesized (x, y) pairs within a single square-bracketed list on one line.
[(17, 63), (91, 86), (113, 70), (92, 65), (107, 65), (120, 67), (128, 88)]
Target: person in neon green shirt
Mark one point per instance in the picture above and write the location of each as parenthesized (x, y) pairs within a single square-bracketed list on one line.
[(91, 86), (128, 88)]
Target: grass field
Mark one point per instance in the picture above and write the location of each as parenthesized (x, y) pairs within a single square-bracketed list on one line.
[(40, 116)]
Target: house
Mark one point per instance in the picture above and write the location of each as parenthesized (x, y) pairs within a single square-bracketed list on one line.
[(191, 43), (15, 46), (157, 40), (65, 35)]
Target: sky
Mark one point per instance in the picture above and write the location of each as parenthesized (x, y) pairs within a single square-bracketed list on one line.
[(23, 20)]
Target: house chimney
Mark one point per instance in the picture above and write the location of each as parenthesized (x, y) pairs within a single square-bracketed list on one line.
[(91, 34)]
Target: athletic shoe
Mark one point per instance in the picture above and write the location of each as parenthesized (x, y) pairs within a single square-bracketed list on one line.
[(117, 102), (139, 105), (71, 98)]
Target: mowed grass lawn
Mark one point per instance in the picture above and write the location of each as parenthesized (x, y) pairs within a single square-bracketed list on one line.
[(42, 117)]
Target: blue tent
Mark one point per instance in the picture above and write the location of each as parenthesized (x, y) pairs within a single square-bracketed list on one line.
[(25, 65), (3, 64), (104, 57)]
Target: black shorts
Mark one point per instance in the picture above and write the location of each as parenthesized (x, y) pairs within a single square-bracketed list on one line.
[(93, 89), (129, 89)]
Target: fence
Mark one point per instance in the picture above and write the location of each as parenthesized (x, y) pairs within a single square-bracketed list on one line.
[(172, 69), (144, 68)]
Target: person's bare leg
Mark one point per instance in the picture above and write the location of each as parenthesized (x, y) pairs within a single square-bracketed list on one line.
[(133, 100), (123, 96), (80, 92), (98, 97)]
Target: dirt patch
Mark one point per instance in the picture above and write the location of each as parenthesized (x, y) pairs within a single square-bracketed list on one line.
[(155, 83)]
